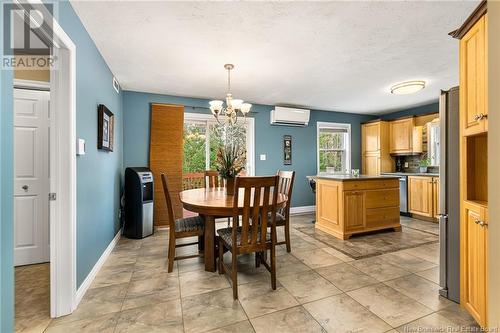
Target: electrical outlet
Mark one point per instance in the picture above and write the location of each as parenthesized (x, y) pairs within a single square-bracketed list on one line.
[(407, 164)]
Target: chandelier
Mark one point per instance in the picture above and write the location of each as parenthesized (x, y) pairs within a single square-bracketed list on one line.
[(233, 106)]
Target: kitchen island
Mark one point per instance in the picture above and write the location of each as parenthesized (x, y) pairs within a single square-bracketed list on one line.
[(347, 205)]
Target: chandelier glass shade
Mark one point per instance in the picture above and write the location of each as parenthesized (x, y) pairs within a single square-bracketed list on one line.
[(234, 107)]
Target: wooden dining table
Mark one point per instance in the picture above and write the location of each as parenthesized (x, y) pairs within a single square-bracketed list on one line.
[(212, 203)]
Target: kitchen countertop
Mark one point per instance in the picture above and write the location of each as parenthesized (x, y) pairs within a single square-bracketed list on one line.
[(351, 177), (428, 174)]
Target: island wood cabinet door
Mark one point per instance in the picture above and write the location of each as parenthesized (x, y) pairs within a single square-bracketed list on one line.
[(401, 135), (420, 196), (474, 237), (473, 79), (354, 210)]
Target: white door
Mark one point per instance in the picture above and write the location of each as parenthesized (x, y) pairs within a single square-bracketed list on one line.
[(31, 176)]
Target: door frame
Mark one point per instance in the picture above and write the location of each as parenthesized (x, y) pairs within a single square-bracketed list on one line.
[(62, 161)]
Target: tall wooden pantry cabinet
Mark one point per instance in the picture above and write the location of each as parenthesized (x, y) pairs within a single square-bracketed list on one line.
[(473, 163)]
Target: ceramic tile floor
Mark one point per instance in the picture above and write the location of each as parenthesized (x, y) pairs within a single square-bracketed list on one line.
[(319, 290)]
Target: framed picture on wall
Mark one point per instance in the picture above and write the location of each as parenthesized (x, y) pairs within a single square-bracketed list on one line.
[(105, 128), (287, 149)]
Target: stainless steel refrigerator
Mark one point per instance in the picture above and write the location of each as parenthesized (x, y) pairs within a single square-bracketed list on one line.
[(449, 198)]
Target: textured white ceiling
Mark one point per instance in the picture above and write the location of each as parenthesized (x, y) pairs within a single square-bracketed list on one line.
[(339, 56)]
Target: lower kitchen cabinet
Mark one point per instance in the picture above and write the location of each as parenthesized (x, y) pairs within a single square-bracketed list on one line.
[(474, 259), (420, 195)]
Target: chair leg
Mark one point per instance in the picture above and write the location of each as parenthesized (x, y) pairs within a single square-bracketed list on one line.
[(287, 237), (201, 243), (257, 259), (234, 275), (228, 221), (171, 251), (221, 257), (273, 267)]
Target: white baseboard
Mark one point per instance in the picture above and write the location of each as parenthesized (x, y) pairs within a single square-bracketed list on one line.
[(97, 267), (302, 210)]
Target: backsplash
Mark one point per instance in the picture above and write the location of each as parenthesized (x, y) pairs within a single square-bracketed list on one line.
[(414, 164)]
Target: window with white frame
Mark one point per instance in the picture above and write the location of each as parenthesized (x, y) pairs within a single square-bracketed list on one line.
[(334, 147), (203, 135)]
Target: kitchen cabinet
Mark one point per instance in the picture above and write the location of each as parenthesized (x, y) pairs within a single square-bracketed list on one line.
[(420, 195), (375, 148), (474, 244), (351, 205), (473, 79), (405, 137), (474, 164), (435, 197)]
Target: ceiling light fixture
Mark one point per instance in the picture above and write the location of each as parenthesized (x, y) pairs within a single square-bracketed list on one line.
[(408, 87), (233, 106)]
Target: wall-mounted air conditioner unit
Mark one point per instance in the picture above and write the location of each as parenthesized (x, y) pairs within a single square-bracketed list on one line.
[(289, 116)]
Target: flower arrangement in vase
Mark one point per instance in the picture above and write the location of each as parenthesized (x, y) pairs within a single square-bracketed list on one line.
[(230, 161)]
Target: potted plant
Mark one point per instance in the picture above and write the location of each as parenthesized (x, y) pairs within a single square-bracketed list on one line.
[(229, 163), (424, 163)]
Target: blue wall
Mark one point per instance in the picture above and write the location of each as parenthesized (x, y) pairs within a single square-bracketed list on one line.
[(416, 111), (98, 172), (6, 183), (268, 139)]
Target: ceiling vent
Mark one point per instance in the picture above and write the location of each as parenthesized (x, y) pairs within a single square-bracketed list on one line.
[(289, 116)]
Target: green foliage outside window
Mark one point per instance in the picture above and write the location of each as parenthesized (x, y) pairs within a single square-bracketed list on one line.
[(195, 143)]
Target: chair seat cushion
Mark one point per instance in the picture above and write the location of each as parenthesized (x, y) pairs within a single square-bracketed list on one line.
[(187, 224), (227, 235), (280, 218)]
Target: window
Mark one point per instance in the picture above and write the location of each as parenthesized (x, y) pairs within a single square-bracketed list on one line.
[(203, 135), (333, 143)]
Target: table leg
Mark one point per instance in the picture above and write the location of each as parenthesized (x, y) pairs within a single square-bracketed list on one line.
[(209, 243)]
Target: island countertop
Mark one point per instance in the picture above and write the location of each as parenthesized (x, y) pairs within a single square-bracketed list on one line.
[(347, 177)]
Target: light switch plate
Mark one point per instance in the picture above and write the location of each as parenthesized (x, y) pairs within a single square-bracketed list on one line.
[(80, 147), (263, 157)]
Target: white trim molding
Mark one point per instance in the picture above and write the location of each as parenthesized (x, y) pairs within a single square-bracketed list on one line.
[(31, 84), (300, 210), (97, 267)]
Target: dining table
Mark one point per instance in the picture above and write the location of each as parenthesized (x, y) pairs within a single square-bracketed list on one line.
[(212, 203)]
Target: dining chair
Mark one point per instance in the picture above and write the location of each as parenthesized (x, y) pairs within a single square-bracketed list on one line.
[(285, 186), (215, 181), (181, 228), (259, 196)]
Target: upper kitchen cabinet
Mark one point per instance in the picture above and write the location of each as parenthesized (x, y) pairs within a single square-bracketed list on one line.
[(375, 148), (473, 78), (405, 137)]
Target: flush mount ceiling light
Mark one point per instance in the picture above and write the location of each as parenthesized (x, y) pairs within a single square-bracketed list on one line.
[(408, 87)]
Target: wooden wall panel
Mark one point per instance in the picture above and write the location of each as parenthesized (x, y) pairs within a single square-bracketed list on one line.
[(165, 156)]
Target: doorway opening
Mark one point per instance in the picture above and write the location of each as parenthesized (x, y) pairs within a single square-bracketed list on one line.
[(44, 112), (31, 201)]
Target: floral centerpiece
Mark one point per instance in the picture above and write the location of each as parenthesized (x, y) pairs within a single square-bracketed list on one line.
[(231, 160)]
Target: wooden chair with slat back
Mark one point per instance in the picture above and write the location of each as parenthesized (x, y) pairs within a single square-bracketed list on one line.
[(285, 186), (213, 180), (181, 228), (252, 236)]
